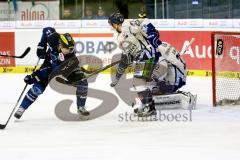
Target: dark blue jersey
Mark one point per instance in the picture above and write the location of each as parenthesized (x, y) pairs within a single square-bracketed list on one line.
[(48, 46)]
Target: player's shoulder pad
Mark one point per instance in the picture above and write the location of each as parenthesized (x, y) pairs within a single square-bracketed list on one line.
[(53, 40), (144, 21), (135, 26), (48, 30)]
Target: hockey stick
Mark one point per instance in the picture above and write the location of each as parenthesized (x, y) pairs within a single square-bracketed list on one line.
[(2, 126), (186, 48), (101, 69), (63, 81), (23, 55)]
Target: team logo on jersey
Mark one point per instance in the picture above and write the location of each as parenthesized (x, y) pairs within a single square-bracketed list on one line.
[(125, 45), (61, 57)]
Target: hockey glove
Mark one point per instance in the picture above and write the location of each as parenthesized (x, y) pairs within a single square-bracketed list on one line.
[(153, 38), (41, 52), (30, 79)]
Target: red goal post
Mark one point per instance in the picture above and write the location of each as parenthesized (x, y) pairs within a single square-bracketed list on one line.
[(225, 68)]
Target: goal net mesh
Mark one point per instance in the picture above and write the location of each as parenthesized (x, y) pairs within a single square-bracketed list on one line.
[(226, 69)]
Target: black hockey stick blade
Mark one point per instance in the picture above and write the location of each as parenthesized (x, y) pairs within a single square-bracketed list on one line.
[(2, 126), (61, 80), (90, 74), (22, 56), (25, 52), (101, 69)]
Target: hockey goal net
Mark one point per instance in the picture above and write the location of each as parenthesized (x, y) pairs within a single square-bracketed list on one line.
[(226, 68)]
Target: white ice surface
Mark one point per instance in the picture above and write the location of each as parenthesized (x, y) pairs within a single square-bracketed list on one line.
[(213, 133)]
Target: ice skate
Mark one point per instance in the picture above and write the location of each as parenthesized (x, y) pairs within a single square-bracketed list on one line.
[(83, 111), (145, 111), (18, 114)]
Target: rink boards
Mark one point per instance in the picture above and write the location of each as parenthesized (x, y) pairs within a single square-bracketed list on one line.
[(100, 42)]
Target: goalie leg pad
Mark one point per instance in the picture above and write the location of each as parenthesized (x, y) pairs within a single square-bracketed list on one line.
[(176, 100)]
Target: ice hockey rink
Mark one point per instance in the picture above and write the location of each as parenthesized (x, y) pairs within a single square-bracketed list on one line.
[(213, 133)]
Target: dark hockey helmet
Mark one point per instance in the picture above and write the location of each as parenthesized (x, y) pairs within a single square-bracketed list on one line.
[(115, 18), (66, 40)]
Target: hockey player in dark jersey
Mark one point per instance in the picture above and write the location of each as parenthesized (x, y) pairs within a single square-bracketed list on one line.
[(54, 48)]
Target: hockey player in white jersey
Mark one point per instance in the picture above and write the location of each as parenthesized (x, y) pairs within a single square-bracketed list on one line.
[(158, 65)]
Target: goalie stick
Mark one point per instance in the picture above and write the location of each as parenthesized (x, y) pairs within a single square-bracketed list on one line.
[(3, 126), (22, 56)]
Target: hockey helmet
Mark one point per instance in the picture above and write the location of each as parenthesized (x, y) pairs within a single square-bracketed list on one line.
[(116, 18), (142, 15), (66, 41)]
